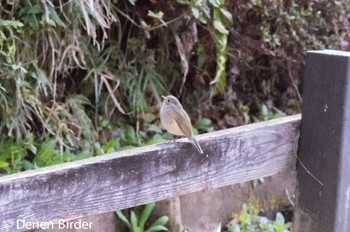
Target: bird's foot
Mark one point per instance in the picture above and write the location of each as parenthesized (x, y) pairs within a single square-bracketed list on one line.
[(172, 140)]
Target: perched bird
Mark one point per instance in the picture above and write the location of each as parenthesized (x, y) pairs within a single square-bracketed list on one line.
[(176, 121)]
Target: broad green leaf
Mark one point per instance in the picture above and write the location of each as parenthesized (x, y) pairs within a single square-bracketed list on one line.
[(201, 123), (157, 138), (28, 165), (3, 164), (280, 219)]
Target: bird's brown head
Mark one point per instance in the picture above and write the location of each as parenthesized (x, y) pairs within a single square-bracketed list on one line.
[(170, 101)]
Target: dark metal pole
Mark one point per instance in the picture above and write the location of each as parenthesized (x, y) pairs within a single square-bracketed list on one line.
[(325, 145)]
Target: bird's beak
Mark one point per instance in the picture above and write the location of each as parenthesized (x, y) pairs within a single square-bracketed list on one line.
[(163, 97)]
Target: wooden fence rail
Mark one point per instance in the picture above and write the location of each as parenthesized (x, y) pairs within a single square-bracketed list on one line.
[(138, 176), (152, 173)]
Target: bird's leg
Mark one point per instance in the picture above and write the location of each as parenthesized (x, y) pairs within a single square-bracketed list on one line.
[(175, 137)]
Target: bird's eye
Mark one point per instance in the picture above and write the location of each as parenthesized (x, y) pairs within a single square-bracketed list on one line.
[(168, 100)]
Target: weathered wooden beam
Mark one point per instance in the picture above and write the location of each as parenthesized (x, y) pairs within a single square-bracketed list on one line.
[(325, 145), (151, 173)]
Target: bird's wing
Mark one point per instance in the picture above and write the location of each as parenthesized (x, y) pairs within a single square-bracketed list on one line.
[(184, 122)]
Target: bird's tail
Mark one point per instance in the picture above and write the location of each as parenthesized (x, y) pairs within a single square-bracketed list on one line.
[(196, 144)]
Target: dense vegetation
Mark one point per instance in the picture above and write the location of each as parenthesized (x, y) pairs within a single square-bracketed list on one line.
[(83, 78)]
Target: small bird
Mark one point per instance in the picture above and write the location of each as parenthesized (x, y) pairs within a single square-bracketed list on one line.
[(176, 121)]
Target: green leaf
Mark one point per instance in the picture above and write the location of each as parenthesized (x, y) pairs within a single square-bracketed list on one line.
[(245, 216), (133, 221), (83, 155), (195, 131), (158, 15), (37, 8), (28, 165), (131, 135), (160, 221), (11, 23), (157, 228), (155, 128), (145, 214), (216, 3), (281, 228), (149, 117), (233, 228), (104, 123), (50, 22), (221, 37), (110, 146), (264, 223), (132, 2), (227, 15), (3, 164), (220, 27), (264, 112), (125, 148), (157, 138), (98, 149), (280, 219), (45, 154), (202, 123), (123, 218), (55, 17), (32, 148), (144, 25)]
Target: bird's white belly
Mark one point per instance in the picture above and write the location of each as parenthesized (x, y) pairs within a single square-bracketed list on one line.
[(171, 126)]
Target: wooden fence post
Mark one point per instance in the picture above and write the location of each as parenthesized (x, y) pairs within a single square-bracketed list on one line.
[(325, 145)]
